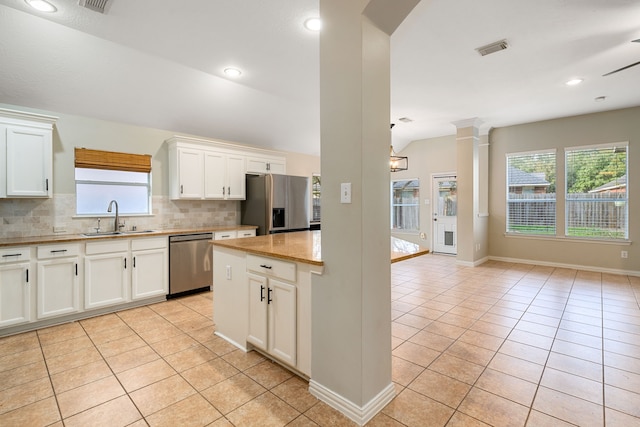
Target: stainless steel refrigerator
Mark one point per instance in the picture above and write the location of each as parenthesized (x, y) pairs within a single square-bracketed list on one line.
[(276, 203)]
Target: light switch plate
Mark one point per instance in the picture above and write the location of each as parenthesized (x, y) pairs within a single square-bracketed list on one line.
[(345, 192)]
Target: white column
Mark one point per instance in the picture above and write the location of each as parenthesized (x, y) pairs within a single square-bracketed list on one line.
[(351, 301), (472, 166)]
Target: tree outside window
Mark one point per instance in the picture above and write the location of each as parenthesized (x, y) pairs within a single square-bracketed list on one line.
[(596, 195)]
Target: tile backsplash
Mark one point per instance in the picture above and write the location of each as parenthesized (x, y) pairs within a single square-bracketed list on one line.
[(38, 217)]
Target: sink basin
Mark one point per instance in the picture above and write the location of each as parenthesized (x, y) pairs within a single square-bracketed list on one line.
[(102, 233), (116, 233)]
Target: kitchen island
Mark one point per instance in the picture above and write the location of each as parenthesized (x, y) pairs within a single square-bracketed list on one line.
[(262, 292)]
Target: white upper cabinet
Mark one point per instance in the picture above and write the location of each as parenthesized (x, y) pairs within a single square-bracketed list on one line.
[(205, 170), (26, 157), (266, 164), (212, 170)]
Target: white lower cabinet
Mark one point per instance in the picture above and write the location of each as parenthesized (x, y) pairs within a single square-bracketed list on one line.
[(15, 286), (149, 268), (106, 274), (272, 317), (58, 280)]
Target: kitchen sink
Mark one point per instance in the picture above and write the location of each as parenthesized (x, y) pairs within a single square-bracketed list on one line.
[(116, 233), (102, 233)]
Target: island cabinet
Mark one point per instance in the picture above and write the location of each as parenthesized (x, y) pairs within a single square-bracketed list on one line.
[(272, 317), (58, 280), (15, 286), (264, 303)]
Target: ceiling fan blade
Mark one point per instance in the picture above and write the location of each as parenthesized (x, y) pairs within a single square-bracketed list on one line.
[(620, 69)]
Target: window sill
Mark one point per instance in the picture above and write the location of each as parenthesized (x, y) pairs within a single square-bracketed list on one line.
[(624, 242)]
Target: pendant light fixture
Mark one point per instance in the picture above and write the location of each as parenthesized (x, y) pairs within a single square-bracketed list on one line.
[(397, 163)]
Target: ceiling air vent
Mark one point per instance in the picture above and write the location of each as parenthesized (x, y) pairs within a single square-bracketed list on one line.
[(95, 5), (492, 47)]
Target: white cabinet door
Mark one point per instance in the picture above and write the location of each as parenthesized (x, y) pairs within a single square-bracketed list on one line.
[(29, 162), (224, 176), (190, 173), (214, 175), (281, 299), (58, 287), (266, 165), (149, 273), (236, 182), (272, 317), (257, 311), (15, 294), (106, 279)]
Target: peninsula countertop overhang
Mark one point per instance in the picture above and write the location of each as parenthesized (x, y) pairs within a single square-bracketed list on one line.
[(305, 246)]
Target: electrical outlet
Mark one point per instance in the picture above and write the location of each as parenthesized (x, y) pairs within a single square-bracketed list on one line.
[(624, 254), (228, 272), (59, 229)]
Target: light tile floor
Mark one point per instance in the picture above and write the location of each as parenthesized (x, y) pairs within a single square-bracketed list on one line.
[(501, 344)]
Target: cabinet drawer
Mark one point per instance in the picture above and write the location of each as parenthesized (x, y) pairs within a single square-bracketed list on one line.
[(222, 235), (272, 267), (246, 233), (58, 251), (107, 247), (8, 255), (152, 243)]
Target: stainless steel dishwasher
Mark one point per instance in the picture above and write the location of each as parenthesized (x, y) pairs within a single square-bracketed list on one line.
[(190, 263)]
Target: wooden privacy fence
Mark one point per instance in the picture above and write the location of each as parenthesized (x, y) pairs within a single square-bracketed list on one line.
[(583, 210)]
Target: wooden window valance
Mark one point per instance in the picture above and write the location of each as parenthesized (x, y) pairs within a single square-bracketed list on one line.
[(98, 159)]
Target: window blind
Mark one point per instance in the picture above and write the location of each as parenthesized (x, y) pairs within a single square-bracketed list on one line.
[(531, 193), (98, 159), (596, 197)]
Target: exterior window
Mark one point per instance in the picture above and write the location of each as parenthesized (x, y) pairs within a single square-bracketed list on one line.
[(405, 205), (596, 196), (102, 176), (531, 193), (316, 188), (95, 188)]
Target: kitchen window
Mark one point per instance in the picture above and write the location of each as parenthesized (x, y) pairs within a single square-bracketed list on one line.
[(596, 192), (103, 176), (531, 193), (405, 205)]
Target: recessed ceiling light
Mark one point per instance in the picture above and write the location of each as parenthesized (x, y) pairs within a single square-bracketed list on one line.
[(574, 82), (41, 5), (232, 72), (313, 24)]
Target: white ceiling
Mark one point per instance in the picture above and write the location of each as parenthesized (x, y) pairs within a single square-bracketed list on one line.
[(158, 63)]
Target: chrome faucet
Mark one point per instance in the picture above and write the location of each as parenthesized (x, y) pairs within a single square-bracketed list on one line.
[(116, 225)]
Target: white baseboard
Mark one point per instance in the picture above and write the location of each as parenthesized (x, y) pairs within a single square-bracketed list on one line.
[(230, 341), (472, 263), (570, 266), (360, 415)]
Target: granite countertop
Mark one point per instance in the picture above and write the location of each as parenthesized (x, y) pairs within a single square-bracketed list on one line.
[(305, 246), (66, 238), (300, 246)]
